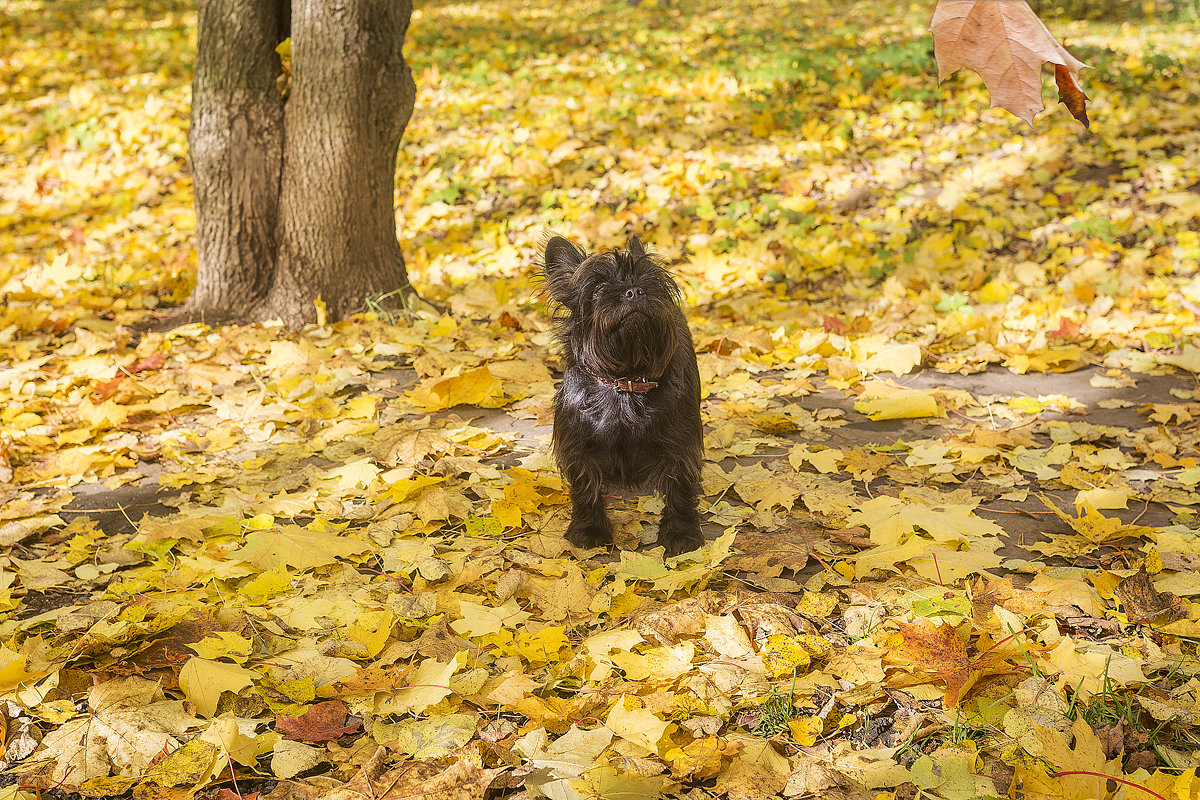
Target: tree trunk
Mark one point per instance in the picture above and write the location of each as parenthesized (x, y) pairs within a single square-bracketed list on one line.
[(295, 197), (236, 149), (351, 98)]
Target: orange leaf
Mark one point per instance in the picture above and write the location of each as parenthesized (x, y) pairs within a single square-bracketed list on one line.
[(106, 389), (1067, 330), (1071, 95), (938, 650), (152, 361)]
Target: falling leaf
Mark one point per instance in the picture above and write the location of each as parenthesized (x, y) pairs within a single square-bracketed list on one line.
[(1006, 43)]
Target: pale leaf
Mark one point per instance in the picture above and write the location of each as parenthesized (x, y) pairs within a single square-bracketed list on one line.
[(1006, 43)]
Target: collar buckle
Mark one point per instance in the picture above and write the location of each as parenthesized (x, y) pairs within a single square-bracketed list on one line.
[(639, 386), (631, 385)]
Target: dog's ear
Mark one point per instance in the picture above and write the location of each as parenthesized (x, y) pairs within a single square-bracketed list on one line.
[(635, 247), (561, 260)]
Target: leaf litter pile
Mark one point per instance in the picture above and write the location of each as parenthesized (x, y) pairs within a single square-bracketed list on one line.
[(950, 403)]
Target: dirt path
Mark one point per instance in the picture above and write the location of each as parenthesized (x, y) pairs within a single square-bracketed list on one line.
[(1024, 521)]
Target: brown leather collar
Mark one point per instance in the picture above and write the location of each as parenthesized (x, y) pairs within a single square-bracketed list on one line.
[(639, 386)]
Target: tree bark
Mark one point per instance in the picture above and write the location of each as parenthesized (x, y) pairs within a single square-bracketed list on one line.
[(352, 95), (236, 151), (295, 198)]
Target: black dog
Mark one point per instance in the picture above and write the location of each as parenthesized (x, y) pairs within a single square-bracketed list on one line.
[(627, 414)]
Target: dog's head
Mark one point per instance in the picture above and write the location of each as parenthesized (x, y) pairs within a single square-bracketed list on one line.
[(622, 308)]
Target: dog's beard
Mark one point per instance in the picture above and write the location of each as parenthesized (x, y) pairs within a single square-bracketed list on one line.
[(626, 342)]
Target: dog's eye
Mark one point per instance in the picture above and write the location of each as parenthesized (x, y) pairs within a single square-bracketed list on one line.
[(599, 287)]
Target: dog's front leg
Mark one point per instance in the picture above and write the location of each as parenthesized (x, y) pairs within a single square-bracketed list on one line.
[(679, 529), (589, 526)]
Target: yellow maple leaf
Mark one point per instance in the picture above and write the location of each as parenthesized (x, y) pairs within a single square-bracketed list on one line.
[(13, 669), (293, 546), (900, 359), (481, 620), (700, 759), (638, 726), (1094, 526), (271, 583), (806, 730), (224, 644), (883, 400), (476, 387), (365, 637), (541, 647), (427, 686), (203, 682), (783, 655), (1077, 757)]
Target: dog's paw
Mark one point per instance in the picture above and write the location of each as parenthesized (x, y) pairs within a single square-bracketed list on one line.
[(680, 538), (590, 533)]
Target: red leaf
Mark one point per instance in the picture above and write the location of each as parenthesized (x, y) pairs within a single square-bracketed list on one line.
[(1068, 330), (229, 794), (323, 722), (152, 361), (859, 324)]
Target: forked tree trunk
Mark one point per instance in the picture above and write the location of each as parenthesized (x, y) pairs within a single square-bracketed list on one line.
[(295, 197)]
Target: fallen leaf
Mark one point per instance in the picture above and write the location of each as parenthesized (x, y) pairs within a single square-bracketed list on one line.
[(322, 722), (124, 730)]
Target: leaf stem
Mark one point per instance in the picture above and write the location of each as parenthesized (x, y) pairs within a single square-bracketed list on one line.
[(1110, 778)]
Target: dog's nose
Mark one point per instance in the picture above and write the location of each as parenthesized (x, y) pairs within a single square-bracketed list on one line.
[(635, 293)]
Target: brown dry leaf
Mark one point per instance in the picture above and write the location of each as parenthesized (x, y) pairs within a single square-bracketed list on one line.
[(1071, 95), (322, 722), (407, 444), (414, 781), (1006, 43), (1144, 603), (670, 623), (770, 553)]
